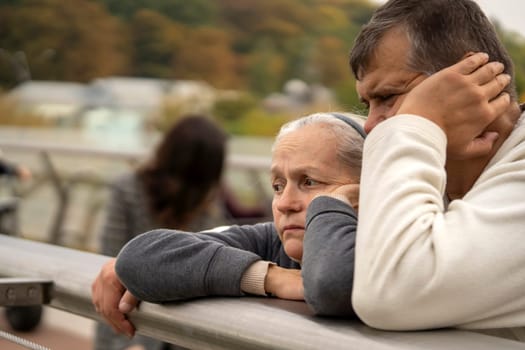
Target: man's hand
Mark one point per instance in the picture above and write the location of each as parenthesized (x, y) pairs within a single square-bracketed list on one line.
[(463, 99), (284, 283), (111, 299)]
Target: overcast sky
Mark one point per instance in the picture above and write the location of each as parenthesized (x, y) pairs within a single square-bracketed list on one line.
[(508, 12)]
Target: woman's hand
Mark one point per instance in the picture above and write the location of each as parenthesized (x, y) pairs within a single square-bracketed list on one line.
[(284, 283), (112, 301), (347, 193)]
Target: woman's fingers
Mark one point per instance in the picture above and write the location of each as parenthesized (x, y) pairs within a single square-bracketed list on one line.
[(127, 303), (107, 292)]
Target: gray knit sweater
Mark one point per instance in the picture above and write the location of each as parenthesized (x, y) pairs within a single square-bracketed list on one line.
[(169, 265)]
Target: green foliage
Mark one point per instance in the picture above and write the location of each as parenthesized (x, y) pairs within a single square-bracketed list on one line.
[(230, 110), (515, 44), (154, 37), (265, 69), (248, 45), (348, 99), (257, 122), (194, 12), (56, 40), (242, 115)]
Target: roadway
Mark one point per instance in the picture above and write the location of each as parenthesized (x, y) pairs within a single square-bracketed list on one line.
[(57, 330)]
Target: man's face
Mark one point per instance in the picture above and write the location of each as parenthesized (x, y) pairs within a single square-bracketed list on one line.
[(304, 164), (387, 80)]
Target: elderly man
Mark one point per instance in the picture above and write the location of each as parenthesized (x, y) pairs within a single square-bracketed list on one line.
[(441, 235)]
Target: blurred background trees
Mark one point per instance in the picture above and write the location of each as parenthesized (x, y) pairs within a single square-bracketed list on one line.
[(250, 45)]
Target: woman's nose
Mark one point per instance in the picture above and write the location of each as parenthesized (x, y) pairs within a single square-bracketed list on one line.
[(289, 200)]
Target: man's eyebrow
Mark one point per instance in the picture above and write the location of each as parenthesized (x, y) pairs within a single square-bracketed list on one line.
[(274, 169), (381, 91)]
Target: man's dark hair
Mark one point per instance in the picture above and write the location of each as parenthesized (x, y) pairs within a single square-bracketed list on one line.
[(440, 33)]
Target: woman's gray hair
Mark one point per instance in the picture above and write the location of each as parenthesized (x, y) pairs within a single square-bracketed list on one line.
[(349, 142)]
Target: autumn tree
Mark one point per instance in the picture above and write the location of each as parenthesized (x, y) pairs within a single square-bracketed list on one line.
[(194, 12), (331, 61), (206, 54), (155, 40), (76, 40)]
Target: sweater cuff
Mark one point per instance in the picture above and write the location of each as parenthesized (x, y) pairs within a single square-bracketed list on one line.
[(252, 281)]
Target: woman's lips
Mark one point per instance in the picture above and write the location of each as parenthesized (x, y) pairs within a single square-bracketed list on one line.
[(292, 228)]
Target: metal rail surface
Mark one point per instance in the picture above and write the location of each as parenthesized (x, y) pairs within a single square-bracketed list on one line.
[(221, 323), (234, 161)]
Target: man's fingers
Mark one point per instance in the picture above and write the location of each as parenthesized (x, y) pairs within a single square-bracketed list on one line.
[(482, 145), (471, 63), (495, 87), (127, 303), (487, 73), (500, 103)]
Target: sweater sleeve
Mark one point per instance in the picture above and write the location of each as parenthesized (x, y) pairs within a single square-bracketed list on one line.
[(328, 257), (421, 265), (169, 265), (116, 230)]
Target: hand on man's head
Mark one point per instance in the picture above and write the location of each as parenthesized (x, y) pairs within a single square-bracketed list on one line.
[(463, 99)]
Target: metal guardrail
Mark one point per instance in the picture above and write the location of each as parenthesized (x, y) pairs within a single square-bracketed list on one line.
[(221, 323), (235, 161), (64, 185)]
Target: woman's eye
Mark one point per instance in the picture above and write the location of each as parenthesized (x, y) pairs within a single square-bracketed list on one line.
[(310, 182), (277, 187)]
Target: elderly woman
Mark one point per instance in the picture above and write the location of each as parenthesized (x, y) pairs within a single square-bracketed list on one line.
[(316, 164)]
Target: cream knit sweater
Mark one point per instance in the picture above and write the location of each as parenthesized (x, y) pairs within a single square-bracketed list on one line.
[(422, 265)]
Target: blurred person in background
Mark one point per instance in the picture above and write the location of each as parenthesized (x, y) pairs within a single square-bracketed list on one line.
[(11, 169), (176, 188)]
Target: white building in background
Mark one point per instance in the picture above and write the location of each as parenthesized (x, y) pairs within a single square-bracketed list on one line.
[(51, 99), (192, 96), (297, 96), (112, 102), (140, 95)]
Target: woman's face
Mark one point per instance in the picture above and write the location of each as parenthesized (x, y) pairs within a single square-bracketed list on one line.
[(304, 164)]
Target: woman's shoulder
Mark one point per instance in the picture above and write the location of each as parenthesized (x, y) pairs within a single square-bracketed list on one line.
[(127, 186), (127, 182)]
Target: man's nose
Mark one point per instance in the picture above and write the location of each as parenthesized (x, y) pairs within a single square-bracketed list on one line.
[(375, 116)]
